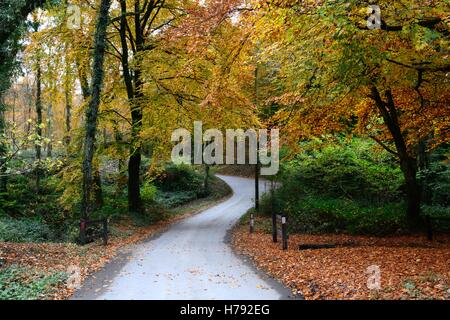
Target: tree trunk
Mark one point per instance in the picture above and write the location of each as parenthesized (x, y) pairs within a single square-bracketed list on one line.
[(206, 181), (134, 195), (49, 131), (408, 164), (3, 149), (134, 93), (38, 124), (68, 108), (413, 191), (94, 103), (134, 164)]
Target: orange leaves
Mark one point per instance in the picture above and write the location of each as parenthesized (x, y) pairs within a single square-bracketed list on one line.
[(411, 267)]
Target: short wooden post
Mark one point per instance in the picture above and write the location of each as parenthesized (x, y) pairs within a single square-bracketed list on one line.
[(82, 231), (284, 232), (252, 223)]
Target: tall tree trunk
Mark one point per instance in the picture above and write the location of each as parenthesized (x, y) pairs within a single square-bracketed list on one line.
[(68, 107), (408, 163), (121, 178), (3, 148), (49, 130), (206, 181), (13, 135), (134, 164), (38, 146), (413, 190), (94, 103), (135, 95)]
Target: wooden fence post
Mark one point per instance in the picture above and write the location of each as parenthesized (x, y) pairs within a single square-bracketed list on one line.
[(284, 232), (83, 231)]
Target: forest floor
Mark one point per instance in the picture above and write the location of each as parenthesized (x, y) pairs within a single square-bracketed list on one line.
[(410, 266), (41, 270)]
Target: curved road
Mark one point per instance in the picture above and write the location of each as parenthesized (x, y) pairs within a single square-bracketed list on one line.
[(189, 261)]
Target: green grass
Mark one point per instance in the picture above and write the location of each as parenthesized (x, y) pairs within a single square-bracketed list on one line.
[(20, 283)]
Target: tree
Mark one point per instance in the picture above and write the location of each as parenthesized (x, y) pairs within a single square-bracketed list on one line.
[(137, 29), (12, 17), (38, 106), (94, 103), (339, 76)]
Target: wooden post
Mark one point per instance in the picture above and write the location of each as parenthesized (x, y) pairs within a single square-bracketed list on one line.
[(284, 232), (83, 231)]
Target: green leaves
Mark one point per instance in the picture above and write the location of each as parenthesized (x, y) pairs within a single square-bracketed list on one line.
[(22, 283)]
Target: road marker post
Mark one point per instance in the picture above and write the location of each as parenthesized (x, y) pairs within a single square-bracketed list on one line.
[(282, 230)]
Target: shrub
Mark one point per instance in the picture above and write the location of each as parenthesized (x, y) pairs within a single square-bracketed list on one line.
[(176, 178), (148, 192), (19, 283), (344, 187), (24, 230), (436, 178), (175, 199), (316, 214), (343, 170)]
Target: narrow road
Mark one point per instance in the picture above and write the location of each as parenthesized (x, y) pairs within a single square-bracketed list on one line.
[(189, 261)]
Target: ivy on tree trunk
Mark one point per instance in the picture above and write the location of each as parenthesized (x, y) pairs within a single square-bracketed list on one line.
[(94, 103)]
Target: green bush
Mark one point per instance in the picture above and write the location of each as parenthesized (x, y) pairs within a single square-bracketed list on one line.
[(175, 199), (23, 201), (24, 230), (345, 187), (316, 214), (18, 283), (353, 171), (177, 178), (148, 192), (436, 178)]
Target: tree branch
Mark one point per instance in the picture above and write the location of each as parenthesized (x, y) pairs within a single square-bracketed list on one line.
[(385, 147)]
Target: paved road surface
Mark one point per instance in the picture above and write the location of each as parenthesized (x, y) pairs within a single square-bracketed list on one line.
[(189, 261)]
